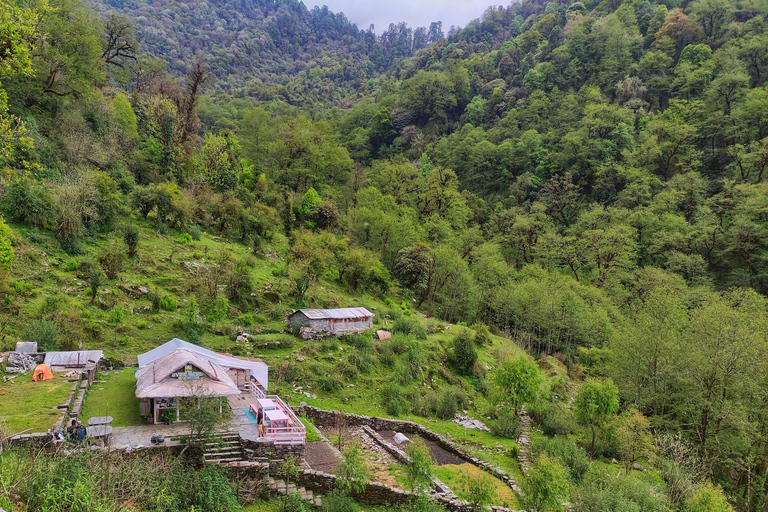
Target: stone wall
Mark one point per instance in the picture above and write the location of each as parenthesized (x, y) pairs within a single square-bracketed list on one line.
[(264, 450), (324, 417), (381, 494)]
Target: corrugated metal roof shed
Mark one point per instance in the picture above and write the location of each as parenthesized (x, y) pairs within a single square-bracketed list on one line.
[(340, 313), (73, 359), (258, 368), (155, 381)]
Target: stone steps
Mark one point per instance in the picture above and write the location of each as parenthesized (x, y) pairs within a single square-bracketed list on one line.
[(280, 487), (227, 450)]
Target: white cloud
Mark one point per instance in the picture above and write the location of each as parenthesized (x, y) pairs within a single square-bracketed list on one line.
[(417, 13)]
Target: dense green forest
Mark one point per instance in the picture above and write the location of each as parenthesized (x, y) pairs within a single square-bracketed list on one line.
[(586, 178)]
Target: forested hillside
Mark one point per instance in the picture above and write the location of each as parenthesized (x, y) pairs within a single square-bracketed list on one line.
[(587, 179), (270, 49)]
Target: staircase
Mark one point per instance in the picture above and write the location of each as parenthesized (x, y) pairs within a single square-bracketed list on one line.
[(228, 449), (280, 487)]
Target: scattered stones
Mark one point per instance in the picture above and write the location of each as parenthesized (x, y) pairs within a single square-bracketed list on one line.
[(467, 422), (20, 363)]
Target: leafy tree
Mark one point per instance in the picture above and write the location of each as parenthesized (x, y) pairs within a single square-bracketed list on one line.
[(480, 491), (464, 354), (520, 381), (634, 436), (545, 487), (595, 403), (419, 467), (708, 498), (352, 472)]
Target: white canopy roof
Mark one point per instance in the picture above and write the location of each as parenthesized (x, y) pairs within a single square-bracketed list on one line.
[(156, 381), (258, 369)]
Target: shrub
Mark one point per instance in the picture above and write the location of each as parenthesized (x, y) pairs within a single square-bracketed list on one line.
[(464, 354), (331, 383), (556, 420), (131, 239), (118, 314), (573, 457), (507, 424), (338, 501), (194, 232), (418, 331), (446, 408), (361, 360), (111, 263), (394, 401), (167, 303), (247, 319), (44, 332), (402, 325), (603, 491), (214, 492), (482, 334)]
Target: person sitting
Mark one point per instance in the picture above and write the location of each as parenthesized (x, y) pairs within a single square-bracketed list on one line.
[(72, 431), (80, 432)]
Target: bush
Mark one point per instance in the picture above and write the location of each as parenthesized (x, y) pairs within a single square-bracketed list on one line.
[(394, 401), (603, 491), (556, 420), (361, 360), (338, 501), (214, 492), (402, 325), (482, 334), (446, 407), (464, 354), (167, 303), (507, 425), (194, 232), (418, 331), (573, 457), (44, 332), (331, 383), (112, 264), (131, 238), (118, 314)]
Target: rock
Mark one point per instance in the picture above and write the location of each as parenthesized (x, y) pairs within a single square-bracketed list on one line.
[(638, 467), (143, 290), (383, 335), (469, 423), (300, 358), (400, 438), (614, 461)]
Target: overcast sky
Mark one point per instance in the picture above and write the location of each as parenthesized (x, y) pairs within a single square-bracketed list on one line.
[(417, 13)]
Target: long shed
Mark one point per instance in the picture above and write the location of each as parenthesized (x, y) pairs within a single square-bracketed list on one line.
[(332, 320)]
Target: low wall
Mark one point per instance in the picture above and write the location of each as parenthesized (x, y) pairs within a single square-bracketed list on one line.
[(381, 494), (261, 451), (324, 417)]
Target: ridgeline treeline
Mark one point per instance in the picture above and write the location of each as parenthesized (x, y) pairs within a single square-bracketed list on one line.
[(588, 178)]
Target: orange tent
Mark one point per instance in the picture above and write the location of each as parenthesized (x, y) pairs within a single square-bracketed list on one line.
[(42, 372)]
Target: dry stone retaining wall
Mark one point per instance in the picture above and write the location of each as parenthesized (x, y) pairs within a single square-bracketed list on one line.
[(325, 417)]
